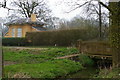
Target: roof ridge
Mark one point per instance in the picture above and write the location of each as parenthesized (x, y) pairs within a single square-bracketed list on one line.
[(24, 21)]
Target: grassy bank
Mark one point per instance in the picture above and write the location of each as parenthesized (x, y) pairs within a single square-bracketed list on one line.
[(35, 55), (49, 69), (42, 62), (39, 63)]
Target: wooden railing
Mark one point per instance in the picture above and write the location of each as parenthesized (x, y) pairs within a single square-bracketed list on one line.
[(94, 47)]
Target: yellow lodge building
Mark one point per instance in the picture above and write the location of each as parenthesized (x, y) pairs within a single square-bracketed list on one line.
[(19, 27)]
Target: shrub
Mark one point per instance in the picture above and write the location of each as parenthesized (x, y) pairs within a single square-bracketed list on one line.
[(85, 60), (14, 42), (60, 37)]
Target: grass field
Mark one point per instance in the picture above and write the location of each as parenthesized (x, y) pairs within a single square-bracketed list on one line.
[(39, 63), (35, 56)]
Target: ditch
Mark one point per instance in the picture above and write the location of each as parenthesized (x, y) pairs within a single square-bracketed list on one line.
[(90, 71)]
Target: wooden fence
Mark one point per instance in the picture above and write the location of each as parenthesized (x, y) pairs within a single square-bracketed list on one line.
[(94, 47)]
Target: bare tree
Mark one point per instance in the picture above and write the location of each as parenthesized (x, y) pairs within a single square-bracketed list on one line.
[(114, 13), (92, 8), (28, 7), (39, 7), (96, 9)]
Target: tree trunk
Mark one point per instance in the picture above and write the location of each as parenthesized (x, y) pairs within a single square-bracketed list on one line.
[(100, 22), (115, 32)]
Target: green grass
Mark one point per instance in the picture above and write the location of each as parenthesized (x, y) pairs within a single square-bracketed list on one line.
[(49, 69), (36, 56), (34, 63)]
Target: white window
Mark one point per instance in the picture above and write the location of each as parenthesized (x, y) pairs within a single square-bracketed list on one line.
[(13, 32), (19, 34)]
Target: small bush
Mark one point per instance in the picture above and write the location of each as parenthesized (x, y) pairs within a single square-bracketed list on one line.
[(14, 42), (85, 60)]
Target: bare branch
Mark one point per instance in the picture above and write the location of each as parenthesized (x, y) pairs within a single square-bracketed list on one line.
[(77, 7), (106, 6), (5, 6)]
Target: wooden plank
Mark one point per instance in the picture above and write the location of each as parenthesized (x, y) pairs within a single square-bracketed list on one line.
[(68, 56)]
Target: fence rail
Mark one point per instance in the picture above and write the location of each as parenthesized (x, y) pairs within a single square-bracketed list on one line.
[(94, 47)]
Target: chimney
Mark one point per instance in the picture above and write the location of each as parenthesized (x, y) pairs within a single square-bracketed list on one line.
[(33, 17)]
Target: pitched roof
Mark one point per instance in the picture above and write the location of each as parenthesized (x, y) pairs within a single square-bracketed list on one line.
[(38, 24), (24, 21), (39, 28)]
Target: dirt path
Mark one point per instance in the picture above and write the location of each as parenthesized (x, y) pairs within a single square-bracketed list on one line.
[(21, 48)]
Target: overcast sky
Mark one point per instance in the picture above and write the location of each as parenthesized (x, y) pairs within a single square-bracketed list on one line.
[(58, 7)]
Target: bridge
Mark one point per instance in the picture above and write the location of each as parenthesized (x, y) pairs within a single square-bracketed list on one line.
[(95, 49)]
